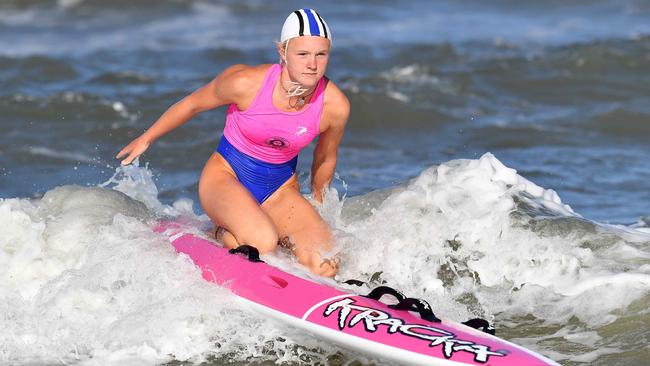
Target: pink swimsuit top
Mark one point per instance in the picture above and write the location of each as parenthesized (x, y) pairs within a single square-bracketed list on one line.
[(264, 132)]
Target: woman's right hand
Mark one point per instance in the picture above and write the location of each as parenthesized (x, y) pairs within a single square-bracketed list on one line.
[(134, 149)]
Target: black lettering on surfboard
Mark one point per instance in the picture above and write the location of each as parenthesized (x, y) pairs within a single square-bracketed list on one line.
[(373, 318)]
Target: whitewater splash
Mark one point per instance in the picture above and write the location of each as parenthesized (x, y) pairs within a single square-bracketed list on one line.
[(86, 281)]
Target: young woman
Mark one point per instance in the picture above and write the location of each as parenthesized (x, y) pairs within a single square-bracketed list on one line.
[(248, 186)]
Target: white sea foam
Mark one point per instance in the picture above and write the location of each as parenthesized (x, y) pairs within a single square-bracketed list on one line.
[(85, 280), (62, 155), (457, 232)]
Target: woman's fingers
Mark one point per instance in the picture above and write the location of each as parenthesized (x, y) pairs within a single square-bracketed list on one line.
[(132, 151), (122, 152), (133, 154), (128, 160)]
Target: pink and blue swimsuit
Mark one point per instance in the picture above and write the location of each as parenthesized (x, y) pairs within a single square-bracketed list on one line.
[(262, 143)]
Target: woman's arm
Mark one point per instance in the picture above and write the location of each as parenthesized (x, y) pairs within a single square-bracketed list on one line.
[(335, 117), (224, 89)]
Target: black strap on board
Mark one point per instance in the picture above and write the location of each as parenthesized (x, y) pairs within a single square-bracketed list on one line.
[(419, 305), (355, 282), (422, 307), (404, 303), (380, 291), (480, 324), (249, 251)]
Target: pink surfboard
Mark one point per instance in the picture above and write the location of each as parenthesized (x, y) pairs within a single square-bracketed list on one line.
[(347, 319)]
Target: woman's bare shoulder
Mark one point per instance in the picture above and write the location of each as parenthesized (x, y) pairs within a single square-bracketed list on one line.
[(241, 73), (241, 81), (336, 101)]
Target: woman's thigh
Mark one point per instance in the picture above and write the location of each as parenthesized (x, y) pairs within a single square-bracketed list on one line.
[(230, 205), (296, 219)]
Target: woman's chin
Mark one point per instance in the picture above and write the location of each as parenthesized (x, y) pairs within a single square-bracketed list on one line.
[(309, 80)]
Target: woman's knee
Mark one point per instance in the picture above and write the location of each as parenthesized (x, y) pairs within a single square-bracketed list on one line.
[(265, 239)]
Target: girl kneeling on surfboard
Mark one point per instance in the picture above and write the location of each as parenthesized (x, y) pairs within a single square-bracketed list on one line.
[(248, 186)]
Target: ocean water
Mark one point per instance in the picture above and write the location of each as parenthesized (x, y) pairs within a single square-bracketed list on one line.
[(495, 164)]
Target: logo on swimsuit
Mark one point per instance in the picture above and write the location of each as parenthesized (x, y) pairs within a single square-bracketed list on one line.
[(278, 142), (301, 131), (350, 314)]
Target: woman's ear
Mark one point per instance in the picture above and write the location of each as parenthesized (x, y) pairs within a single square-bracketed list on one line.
[(280, 47), (282, 51)]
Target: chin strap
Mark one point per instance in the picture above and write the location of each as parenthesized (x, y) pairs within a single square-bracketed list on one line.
[(296, 89)]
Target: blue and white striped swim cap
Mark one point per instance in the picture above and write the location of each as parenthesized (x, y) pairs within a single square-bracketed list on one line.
[(305, 22)]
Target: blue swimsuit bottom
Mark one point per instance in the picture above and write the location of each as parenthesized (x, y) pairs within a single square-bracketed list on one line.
[(259, 177)]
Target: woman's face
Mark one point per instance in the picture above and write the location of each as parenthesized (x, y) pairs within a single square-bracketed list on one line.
[(306, 59)]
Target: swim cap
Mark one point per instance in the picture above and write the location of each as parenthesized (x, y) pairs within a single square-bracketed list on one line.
[(305, 22)]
